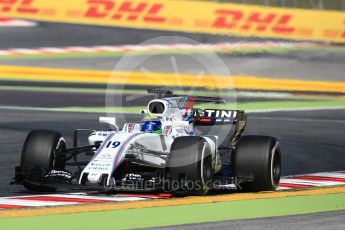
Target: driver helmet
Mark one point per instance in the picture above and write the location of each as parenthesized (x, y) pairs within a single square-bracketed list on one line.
[(151, 124)]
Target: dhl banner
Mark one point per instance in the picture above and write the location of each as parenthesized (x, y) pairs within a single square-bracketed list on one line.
[(188, 16)]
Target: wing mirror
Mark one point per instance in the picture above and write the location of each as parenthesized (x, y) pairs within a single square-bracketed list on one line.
[(109, 121)]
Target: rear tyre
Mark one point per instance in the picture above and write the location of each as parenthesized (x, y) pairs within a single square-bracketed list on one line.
[(190, 166), (257, 158), (39, 151)]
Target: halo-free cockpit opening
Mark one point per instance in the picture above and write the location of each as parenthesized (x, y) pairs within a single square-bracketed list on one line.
[(156, 107)]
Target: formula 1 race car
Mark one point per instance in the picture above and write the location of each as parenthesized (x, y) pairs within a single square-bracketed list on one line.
[(175, 148)]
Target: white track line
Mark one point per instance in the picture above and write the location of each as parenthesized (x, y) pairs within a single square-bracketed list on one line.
[(79, 196), (8, 22), (310, 182), (283, 188), (103, 198), (331, 175), (152, 47), (28, 203)]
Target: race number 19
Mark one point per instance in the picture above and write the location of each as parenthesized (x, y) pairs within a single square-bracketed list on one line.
[(113, 144)]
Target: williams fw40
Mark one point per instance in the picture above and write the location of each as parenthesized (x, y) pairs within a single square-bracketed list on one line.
[(175, 148)]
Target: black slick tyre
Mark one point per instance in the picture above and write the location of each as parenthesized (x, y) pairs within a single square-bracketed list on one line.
[(257, 161), (39, 151), (190, 166)]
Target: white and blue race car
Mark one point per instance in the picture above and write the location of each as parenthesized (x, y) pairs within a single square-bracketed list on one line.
[(175, 148)]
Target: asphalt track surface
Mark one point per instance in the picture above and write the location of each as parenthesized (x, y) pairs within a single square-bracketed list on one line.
[(59, 35), (317, 221), (34, 98)]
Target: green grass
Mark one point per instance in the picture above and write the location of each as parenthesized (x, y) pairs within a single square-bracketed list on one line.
[(184, 214), (250, 106), (279, 105)]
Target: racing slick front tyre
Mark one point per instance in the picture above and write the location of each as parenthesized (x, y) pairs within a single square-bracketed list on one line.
[(190, 166), (39, 151), (257, 160)]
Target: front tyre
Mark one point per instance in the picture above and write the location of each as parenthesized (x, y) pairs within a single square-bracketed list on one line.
[(39, 151), (190, 166), (257, 160)]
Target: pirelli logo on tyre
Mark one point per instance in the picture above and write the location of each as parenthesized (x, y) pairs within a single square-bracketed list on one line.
[(186, 16)]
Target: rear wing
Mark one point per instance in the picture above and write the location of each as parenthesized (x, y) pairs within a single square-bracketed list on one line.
[(185, 101), (229, 124), (213, 116)]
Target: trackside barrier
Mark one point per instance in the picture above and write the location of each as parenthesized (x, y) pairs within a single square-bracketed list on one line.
[(188, 16)]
